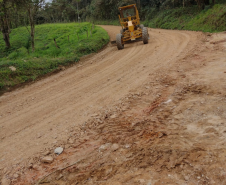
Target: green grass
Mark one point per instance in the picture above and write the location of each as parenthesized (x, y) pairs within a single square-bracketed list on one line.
[(46, 58), (212, 19)]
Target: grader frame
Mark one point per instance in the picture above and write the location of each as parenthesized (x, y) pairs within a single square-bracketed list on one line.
[(131, 30)]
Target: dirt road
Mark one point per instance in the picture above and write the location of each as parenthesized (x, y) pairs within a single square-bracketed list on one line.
[(148, 114)]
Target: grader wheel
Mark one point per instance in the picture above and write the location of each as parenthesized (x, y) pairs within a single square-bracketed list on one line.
[(119, 42), (142, 26), (145, 35)]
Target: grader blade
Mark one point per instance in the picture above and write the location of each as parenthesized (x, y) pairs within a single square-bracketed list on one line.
[(113, 42), (127, 42)]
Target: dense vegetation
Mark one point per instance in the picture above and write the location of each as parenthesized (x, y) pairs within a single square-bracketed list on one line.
[(66, 10), (211, 19)]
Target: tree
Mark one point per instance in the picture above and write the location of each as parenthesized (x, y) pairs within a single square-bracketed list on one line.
[(32, 6), (77, 1), (4, 21)]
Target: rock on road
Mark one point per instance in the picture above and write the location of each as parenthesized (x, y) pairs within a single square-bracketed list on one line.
[(40, 115)]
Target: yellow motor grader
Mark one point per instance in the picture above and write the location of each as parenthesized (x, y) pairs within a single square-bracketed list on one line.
[(132, 30)]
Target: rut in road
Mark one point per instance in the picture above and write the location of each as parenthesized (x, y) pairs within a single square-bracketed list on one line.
[(40, 116)]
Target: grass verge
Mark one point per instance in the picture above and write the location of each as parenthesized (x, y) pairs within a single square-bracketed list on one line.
[(212, 19), (20, 64)]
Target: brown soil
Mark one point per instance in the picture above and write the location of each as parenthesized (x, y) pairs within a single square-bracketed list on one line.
[(150, 114)]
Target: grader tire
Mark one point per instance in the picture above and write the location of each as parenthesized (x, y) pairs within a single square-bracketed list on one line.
[(142, 26), (119, 42), (145, 35), (121, 31)]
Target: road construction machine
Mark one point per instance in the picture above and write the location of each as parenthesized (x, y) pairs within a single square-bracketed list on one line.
[(131, 30)]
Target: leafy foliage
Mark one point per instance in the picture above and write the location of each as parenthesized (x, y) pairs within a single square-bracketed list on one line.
[(210, 20), (190, 18)]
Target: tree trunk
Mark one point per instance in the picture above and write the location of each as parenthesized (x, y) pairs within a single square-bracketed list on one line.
[(207, 2), (6, 37), (78, 12), (201, 4), (5, 27), (5, 32), (138, 4), (32, 24), (213, 2), (8, 24), (33, 37), (17, 19)]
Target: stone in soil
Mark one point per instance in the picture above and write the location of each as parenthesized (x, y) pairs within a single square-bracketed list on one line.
[(186, 178), (94, 115), (5, 181), (47, 159), (16, 175), (36, 167), (104, 147), (46, 153), (113, 116), (58, 150), (70, 141), (115, 147), (12, 68)]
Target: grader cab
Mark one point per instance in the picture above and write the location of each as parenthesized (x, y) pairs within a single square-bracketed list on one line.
[(131, 30)]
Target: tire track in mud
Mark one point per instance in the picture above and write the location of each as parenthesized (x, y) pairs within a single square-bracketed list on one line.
[(176, 144), (38, 116)]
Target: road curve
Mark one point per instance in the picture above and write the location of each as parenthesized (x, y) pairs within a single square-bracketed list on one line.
[(40, 115)]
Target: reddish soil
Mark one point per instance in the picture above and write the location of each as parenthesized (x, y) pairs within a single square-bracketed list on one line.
[(150, 114)]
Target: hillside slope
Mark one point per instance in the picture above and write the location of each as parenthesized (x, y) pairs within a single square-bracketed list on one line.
[(72, 41), (212, 19)]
